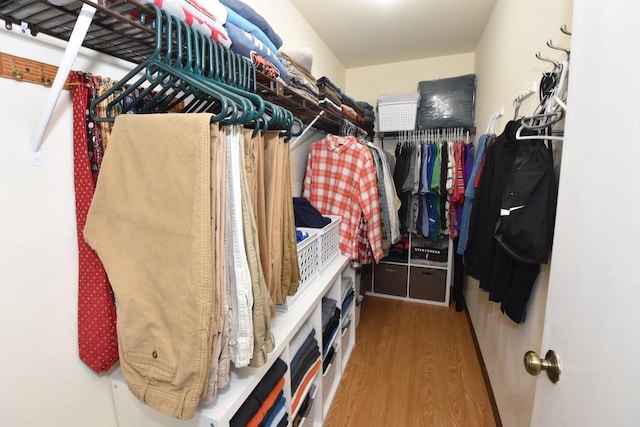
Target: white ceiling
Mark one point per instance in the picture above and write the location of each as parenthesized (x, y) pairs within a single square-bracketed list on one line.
[(372, 32)]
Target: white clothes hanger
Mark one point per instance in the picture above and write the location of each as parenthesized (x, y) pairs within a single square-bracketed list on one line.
[(552, 110)]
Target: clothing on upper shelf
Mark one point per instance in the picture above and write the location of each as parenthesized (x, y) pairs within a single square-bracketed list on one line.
[(302, 56), (328, 308), (330, 329), (249, 27), (261, 56), (300, 80), (208, 20), (300, 337), (348, 300), (247, 12), (335, 99)]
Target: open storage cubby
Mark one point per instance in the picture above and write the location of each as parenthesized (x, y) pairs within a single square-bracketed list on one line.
[(422, 272), (284, 326)]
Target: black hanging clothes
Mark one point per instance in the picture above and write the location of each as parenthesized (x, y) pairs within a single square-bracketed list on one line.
[(507, 279), (527, 214), (400, 173)]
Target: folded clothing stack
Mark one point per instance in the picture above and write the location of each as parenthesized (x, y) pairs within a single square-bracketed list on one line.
[(329, 93), (369, 116), (335, 99), (208, 18), (301, 80), (266, 401), (330, 322), (305, 363), (254, 38)]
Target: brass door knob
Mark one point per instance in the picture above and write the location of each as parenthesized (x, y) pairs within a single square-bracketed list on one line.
[(551, 364)]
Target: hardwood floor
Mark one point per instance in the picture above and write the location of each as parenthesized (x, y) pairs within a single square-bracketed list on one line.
[(413, 365)]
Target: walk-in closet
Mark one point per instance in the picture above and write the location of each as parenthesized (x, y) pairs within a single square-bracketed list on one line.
[(403, 213)]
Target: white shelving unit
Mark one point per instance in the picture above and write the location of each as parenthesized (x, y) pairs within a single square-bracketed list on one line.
[(284, 325), (413, 279)]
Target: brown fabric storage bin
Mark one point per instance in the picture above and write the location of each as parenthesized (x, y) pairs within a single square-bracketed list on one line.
[(390, 279), (427, 284)]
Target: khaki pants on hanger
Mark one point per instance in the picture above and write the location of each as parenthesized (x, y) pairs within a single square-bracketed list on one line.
[(263, 342), (290, 268), (271, 246), (150, 222)]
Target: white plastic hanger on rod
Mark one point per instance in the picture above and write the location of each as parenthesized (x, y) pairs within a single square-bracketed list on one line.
[(493, 121), (517, 101), (549, 113)]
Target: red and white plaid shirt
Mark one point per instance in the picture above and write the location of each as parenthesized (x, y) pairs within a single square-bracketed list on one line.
[(341, 180)]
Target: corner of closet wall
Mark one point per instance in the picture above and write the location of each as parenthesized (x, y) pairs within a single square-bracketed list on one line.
[(368, 83), (506, 65)]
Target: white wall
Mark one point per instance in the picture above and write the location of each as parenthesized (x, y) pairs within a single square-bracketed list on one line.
[(505, 65), (44, 381), (368, 83)]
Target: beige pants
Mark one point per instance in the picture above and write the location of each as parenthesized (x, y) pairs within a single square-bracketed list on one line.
[(290, 266), (271, 246), (151, 224), (281, 267), (263, 342), (219, 376)]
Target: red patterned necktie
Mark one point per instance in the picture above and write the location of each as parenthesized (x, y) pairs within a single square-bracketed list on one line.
[(97, 339)]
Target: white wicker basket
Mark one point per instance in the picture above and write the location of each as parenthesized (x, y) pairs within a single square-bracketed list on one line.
[(328, 241), (308, 261), (308, 257), (397, 112)]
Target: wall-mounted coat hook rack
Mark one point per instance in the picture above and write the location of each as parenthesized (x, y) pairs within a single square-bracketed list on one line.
[(552, 46)]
